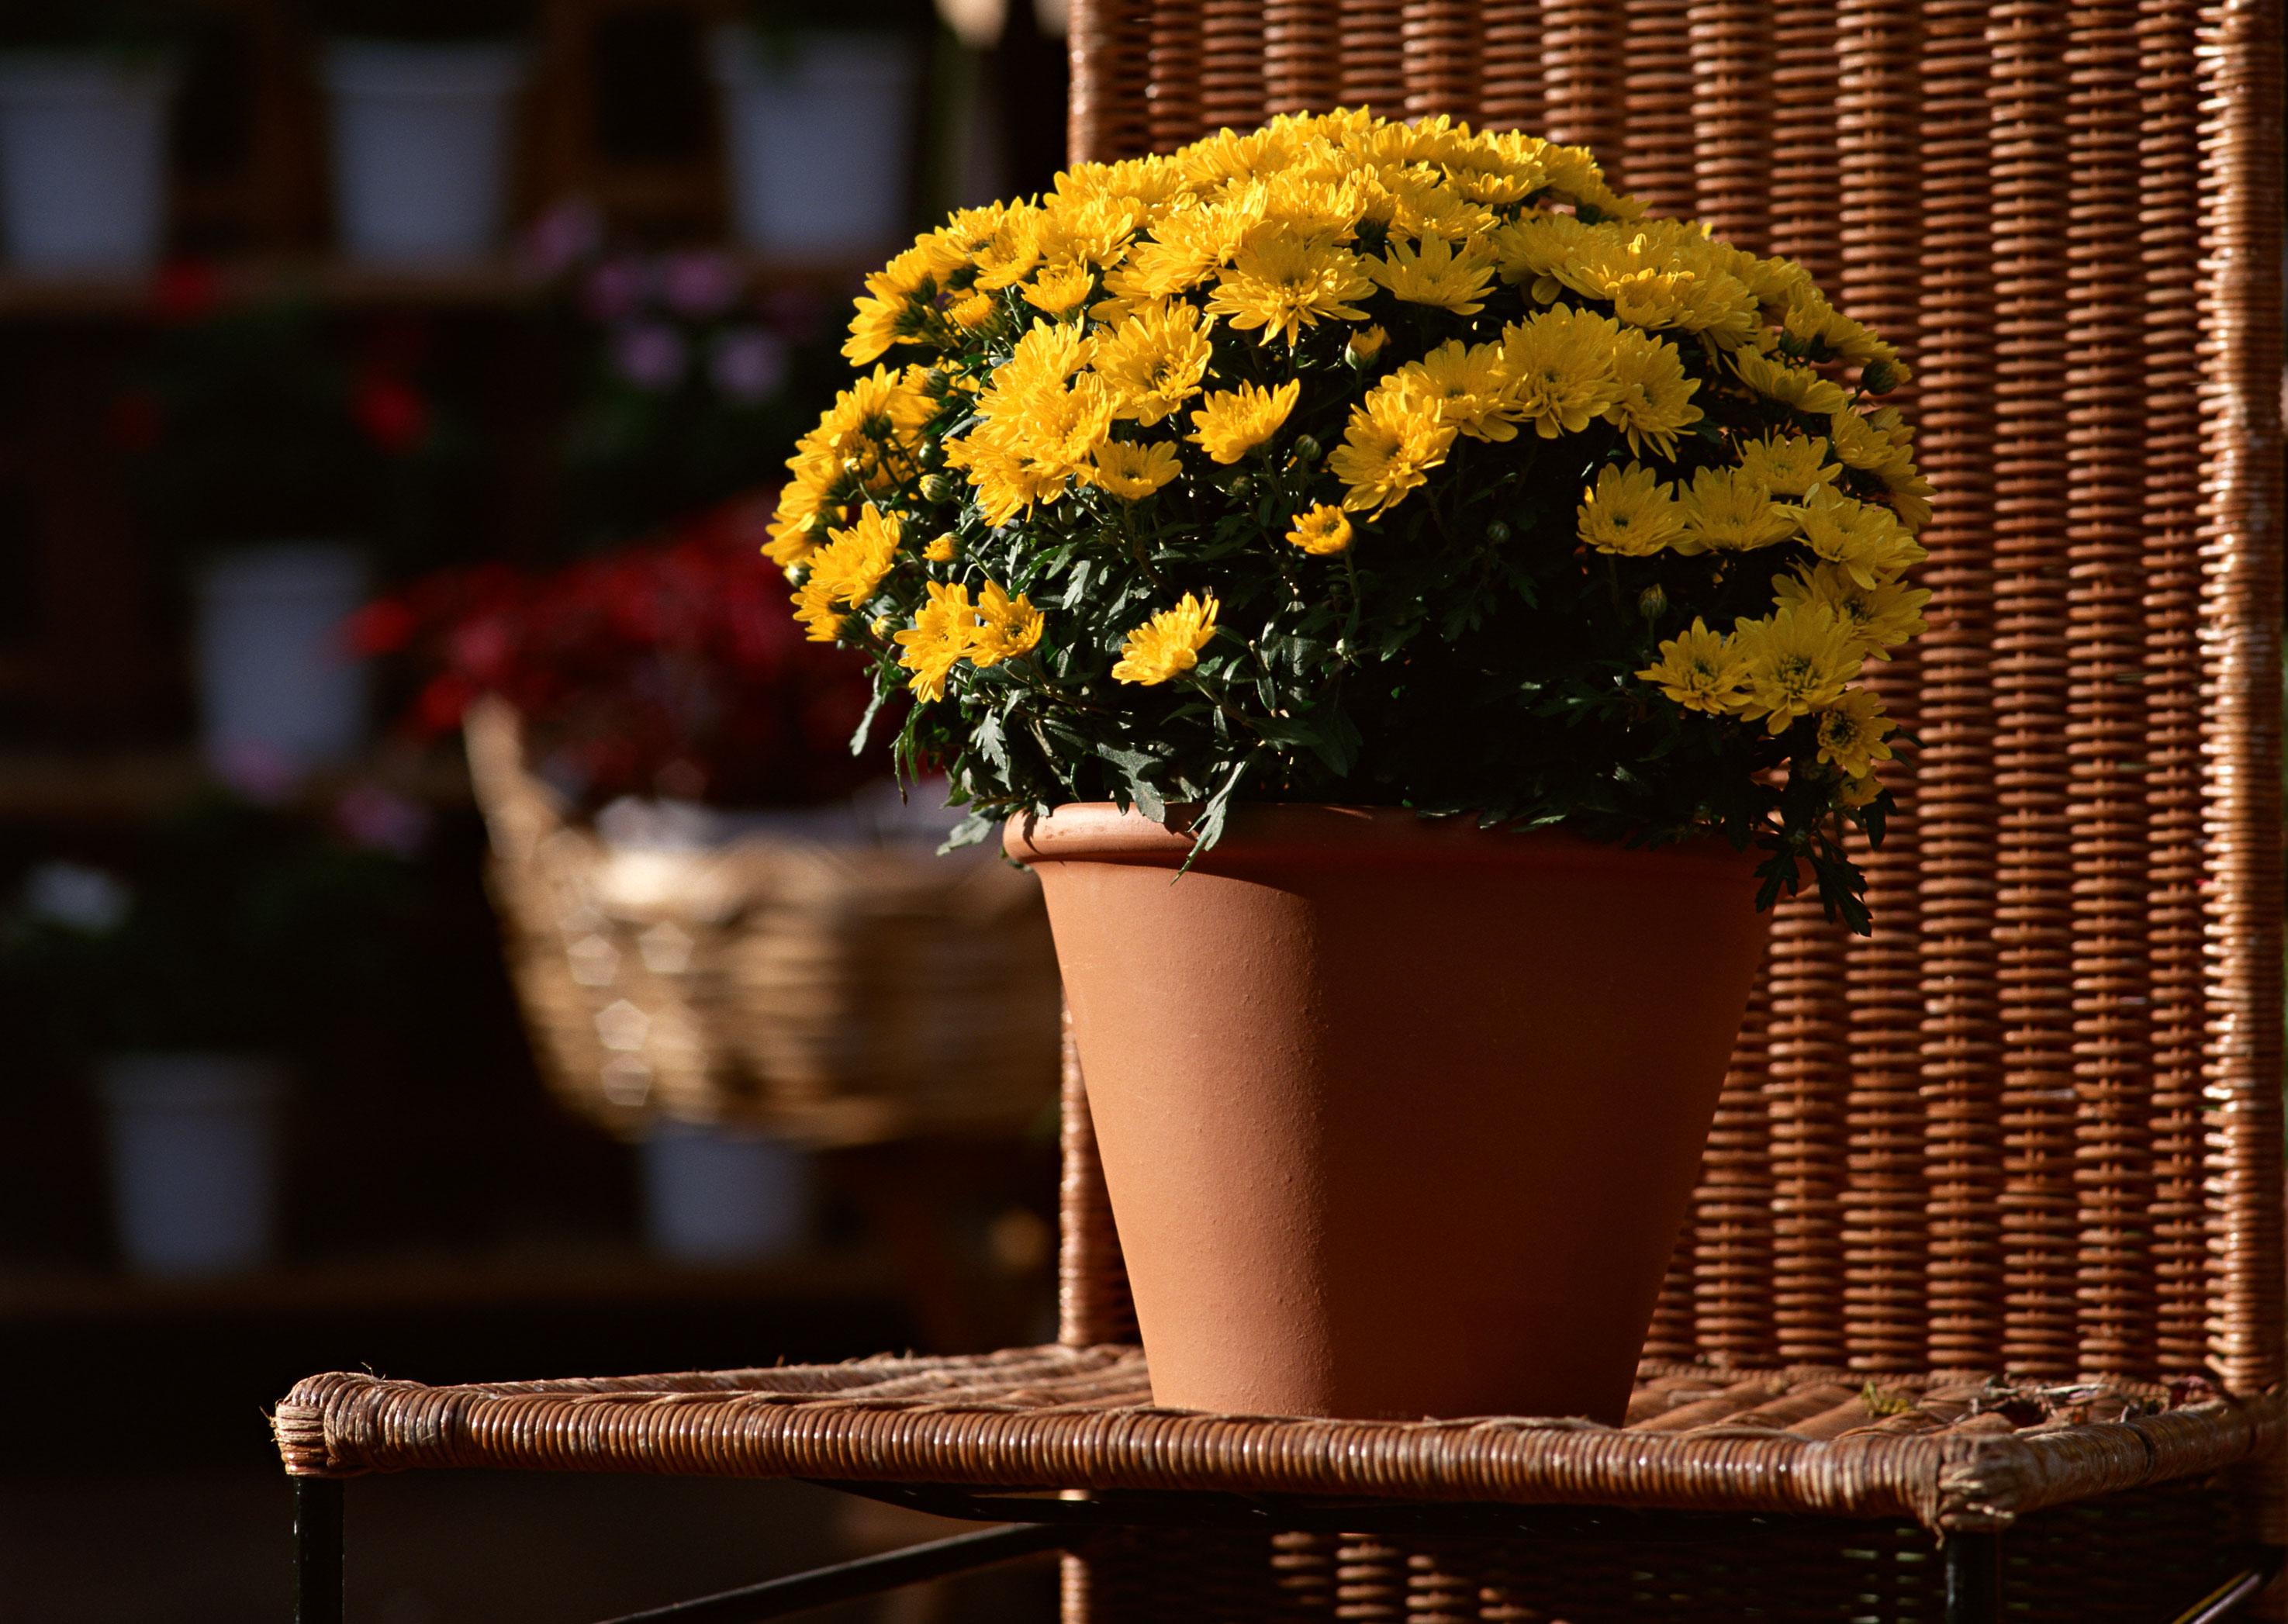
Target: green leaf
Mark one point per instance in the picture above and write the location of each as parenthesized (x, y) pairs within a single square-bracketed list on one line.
[(1135, 768), (1327, 733)]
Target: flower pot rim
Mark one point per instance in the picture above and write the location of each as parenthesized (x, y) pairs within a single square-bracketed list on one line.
[(1102, 831)]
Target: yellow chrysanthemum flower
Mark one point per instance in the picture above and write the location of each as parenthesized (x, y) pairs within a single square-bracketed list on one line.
[(1394, 440), (1059, 287), (1006, 627), (1133, 472), (941, 635), (1794, 662), (1094, 230), (1825, 333), (1420, 205), (1233, 422), (1435, 274), (1471, 384), (1532, 250), (1169, 644), (1364, 345), (1154, 361), (1037, 434), (1699, 670), (873, 329), (1866, 541), (846, 572), (1796, 388), (1630, 512), (1653, 402), (1561, 369), (1881, 617), (1321, 531), (1282, 283), (1853, 793), (1788, 465), (889, 310), (862, 446), (1851, 734), (1006, 254), (973, 310), (1726, 510), (1661, 275)]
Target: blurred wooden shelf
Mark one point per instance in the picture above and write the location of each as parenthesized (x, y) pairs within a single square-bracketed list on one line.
[(112, 786), (606, 1280), (496, 284), (40, 786)]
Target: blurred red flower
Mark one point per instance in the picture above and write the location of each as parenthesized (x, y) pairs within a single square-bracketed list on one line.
[(136, 421), (671, 668), (185, 290), (393, 415)]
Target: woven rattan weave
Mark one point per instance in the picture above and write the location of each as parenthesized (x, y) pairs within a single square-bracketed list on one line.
[(843, 993), (1964, 1455), (1980, 1186)]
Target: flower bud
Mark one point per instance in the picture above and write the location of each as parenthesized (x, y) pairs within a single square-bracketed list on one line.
[(1243, 489), (940, 488), (1652, 603), (1365, 344), (1878, 377), (1497, 532), (942, 549), (881, 626), (1306, 449)]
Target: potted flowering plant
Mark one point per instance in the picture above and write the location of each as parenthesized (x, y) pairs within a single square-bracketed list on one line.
[(1468, 581)]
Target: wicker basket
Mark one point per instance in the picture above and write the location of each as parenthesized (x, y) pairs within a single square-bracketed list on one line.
[(832, 993)]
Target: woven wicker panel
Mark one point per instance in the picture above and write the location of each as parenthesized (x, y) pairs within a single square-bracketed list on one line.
[(1302, 65), (2105, 494), (1960, 1453), (1509, 90), (1372, 52), (2034, 907), (2136, 1559), (1805, 171), (1886, 1230), (1231, 64), (1441, 56), (1955, 800), (836, 994), (2168, 215), (1583, 75), (1656, 137), (2033, 1124), (2242, 493), (1731, 154)]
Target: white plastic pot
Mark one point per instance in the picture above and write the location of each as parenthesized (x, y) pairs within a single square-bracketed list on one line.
[(194, 1141), (279, 694), (82, 160), (712, 1196), (421, 136), (817, 129)]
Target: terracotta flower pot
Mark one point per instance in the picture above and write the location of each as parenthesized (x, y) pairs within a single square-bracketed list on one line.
[(1399, 1116)]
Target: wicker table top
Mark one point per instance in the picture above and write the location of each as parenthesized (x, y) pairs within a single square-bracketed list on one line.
[(1954, 1454)]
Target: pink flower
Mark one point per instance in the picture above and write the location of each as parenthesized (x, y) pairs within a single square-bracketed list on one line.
[(749, 364), (563, 237), (616, 288), (650, 355), (699, 283)]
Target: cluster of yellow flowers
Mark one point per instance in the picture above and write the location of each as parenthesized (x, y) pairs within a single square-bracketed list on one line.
[(1069, 353)]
